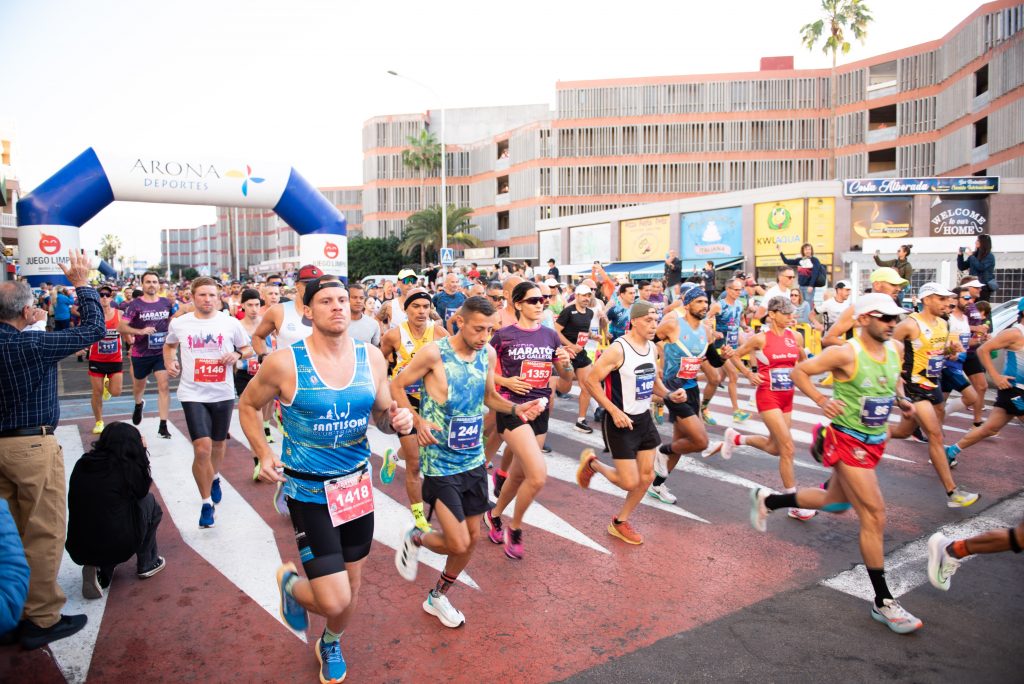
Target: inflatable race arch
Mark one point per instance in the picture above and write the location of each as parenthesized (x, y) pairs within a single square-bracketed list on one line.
[(49, 218)]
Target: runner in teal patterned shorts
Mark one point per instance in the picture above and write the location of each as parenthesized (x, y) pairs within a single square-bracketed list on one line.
[(458, 380)]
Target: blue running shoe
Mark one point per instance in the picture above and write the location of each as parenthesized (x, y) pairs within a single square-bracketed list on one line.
[(292, 612), (951, 453), (206, 516), (332, 663), (215, 492)]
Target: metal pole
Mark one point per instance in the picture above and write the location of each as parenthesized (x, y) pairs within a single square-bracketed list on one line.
[(167, 234), (238, 235), (209, 261)]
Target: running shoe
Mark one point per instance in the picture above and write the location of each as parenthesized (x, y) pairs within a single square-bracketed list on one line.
[(98, 428), (705, 413), (215, 494), (332, 664), (137, 413), (441, 608), (206, 515), (961, 498), (266, 433), (106, 389), (802, 514), (545, 449), (581, 426), (624, 531), (758, 511), (255, 469), (895, 617), (712, 450), (918, 436), (163, 431), (499, 482), (420, 520), (514, 543), (160, 564), (388, 467), (740, 416), (661, 462), (280, 500), (91, 588), (729, 443), (661, 493), (292, 612), (406, 557), (950, 456), (941, 566), (494, 531), (584, 473), (818, 442), (659, 414)]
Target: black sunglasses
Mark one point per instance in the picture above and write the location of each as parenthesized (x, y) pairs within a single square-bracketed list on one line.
[(496, 299), (105, 294), (885, 318), (534, 300)]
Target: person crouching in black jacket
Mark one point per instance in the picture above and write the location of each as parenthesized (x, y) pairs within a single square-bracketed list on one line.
[(112, 515)]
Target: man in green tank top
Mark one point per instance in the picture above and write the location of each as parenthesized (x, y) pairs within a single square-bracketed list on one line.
[(458, 381), (867, 383)]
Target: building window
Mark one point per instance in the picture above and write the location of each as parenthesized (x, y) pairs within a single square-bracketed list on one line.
[(503, 220), (503, 252), (981, 81), (981, 131)]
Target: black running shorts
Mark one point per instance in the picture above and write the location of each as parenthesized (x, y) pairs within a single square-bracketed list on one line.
[(624, 443), (916, 393), (323, 548), (143, 366), (506, 422), (208, 419), (464, 494), (691, 407)]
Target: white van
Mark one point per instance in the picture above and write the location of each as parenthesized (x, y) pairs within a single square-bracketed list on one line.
[(378, 279)]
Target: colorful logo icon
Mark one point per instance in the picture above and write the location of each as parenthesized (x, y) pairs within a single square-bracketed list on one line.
[(247, 176), (331, 250), (49, 244), (779, 218)]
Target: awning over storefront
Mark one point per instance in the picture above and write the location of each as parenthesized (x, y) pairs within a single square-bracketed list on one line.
[(721, 263), (630, 267)]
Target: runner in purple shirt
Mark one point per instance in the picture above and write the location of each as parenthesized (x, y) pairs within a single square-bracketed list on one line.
[(527, 354), (147, 318)]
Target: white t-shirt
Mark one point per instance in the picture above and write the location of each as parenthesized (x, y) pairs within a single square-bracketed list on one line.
[(832, 310), (202, 343), (366, 329), (774, 291)]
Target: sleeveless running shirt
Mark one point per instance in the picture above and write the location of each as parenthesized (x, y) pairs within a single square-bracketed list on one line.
[(407, 349), (924, 357), (294, 327), (728, 321), (959, 329), (776, 360), (1015, 362), (108, 349), (683, 357), (632, 383), (325, 427), (460, 446), (870, 394)]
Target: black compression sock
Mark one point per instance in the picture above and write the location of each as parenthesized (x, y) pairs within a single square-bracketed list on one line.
[(658, 480), (776, 501), (877, 577)]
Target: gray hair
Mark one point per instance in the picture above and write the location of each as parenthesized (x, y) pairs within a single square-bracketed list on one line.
[(781, 304), (14, 297)]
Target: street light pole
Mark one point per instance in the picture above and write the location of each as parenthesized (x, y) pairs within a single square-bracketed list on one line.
[(444, 162)]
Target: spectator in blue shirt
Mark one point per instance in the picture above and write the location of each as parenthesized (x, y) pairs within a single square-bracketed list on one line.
[(61, 309), (31, 461), (13, 571), (981, 264), (618, 315), (448, 301)]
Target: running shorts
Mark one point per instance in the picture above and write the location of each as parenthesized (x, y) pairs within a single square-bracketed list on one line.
[(143, 366), (464, 494), (768, 399), (954, 380), (625, 443), (208, 419), (916, 393), (101, 369), (683, 410), (843, 447), (581, 360), (323, 548), (242, 379), (972, 364), (506, 422), (1011, 400)]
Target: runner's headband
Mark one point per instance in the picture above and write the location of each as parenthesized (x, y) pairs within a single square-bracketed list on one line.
[(413, 297)]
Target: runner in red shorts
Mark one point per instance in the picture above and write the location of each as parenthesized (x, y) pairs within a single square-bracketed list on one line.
[(106, 360), (777, 350), (866, 371)]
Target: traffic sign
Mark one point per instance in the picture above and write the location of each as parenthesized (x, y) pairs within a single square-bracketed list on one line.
[(447, 256)]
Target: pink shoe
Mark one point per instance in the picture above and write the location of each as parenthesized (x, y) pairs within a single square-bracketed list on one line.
[(514, 544), (494, 531)]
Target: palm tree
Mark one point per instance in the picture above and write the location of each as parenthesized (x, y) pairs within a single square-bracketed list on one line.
[(422, 156), (839, 15), (109, 246), (423, 230)]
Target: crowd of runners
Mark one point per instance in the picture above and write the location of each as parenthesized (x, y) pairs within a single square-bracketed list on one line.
[(324, 361)]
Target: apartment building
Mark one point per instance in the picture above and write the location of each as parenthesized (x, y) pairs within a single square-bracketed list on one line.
[(951, 106)]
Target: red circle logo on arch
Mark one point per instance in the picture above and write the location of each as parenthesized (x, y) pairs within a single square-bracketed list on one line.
[(49, 244), (331, 250)]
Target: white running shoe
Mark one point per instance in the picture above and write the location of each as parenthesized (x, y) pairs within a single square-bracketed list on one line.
[(895, 617), (758, 511), (941, 566), (961, 498), (406, 557), (441, 608), (660, 464), (728, 443), (802, 513), (661, 493)]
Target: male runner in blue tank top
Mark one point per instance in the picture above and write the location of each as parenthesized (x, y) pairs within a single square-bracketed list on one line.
[(330, 387), (458, 380)]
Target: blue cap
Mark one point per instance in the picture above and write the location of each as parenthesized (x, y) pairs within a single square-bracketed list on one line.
[(694, 293)]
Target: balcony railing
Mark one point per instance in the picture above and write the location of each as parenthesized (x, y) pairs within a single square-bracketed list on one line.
[(8, 221), (881, 135)]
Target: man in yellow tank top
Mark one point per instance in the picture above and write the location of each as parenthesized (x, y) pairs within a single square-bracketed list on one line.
[(399, 345), (926, 344)]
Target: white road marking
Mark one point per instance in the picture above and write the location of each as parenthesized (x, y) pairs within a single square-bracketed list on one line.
[(907, 567), (74, 654)]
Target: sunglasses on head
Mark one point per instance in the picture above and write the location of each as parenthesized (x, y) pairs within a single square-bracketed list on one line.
[(885, 318)]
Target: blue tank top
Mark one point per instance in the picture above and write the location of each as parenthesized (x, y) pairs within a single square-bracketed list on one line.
[(1015, 363), (728, 321), (460, 444), (679, 356), (325, 427)]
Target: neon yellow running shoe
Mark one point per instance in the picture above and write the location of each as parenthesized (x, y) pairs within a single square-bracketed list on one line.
[(98, 428)]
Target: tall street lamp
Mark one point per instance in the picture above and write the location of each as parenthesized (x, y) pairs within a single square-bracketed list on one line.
[(444, 162)]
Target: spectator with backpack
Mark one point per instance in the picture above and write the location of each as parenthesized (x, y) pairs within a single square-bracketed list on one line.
[(981, 264), (811, 273)]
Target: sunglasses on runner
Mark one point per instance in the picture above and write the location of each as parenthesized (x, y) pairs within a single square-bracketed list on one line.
[(885, 318), (534, 300), (497, 299), (409, 279), (967, 297)]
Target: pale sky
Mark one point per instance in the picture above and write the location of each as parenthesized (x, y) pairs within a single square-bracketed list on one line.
[(294, 81)]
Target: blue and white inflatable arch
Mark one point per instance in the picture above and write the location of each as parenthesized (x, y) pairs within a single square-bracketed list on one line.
[(49, 218)]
